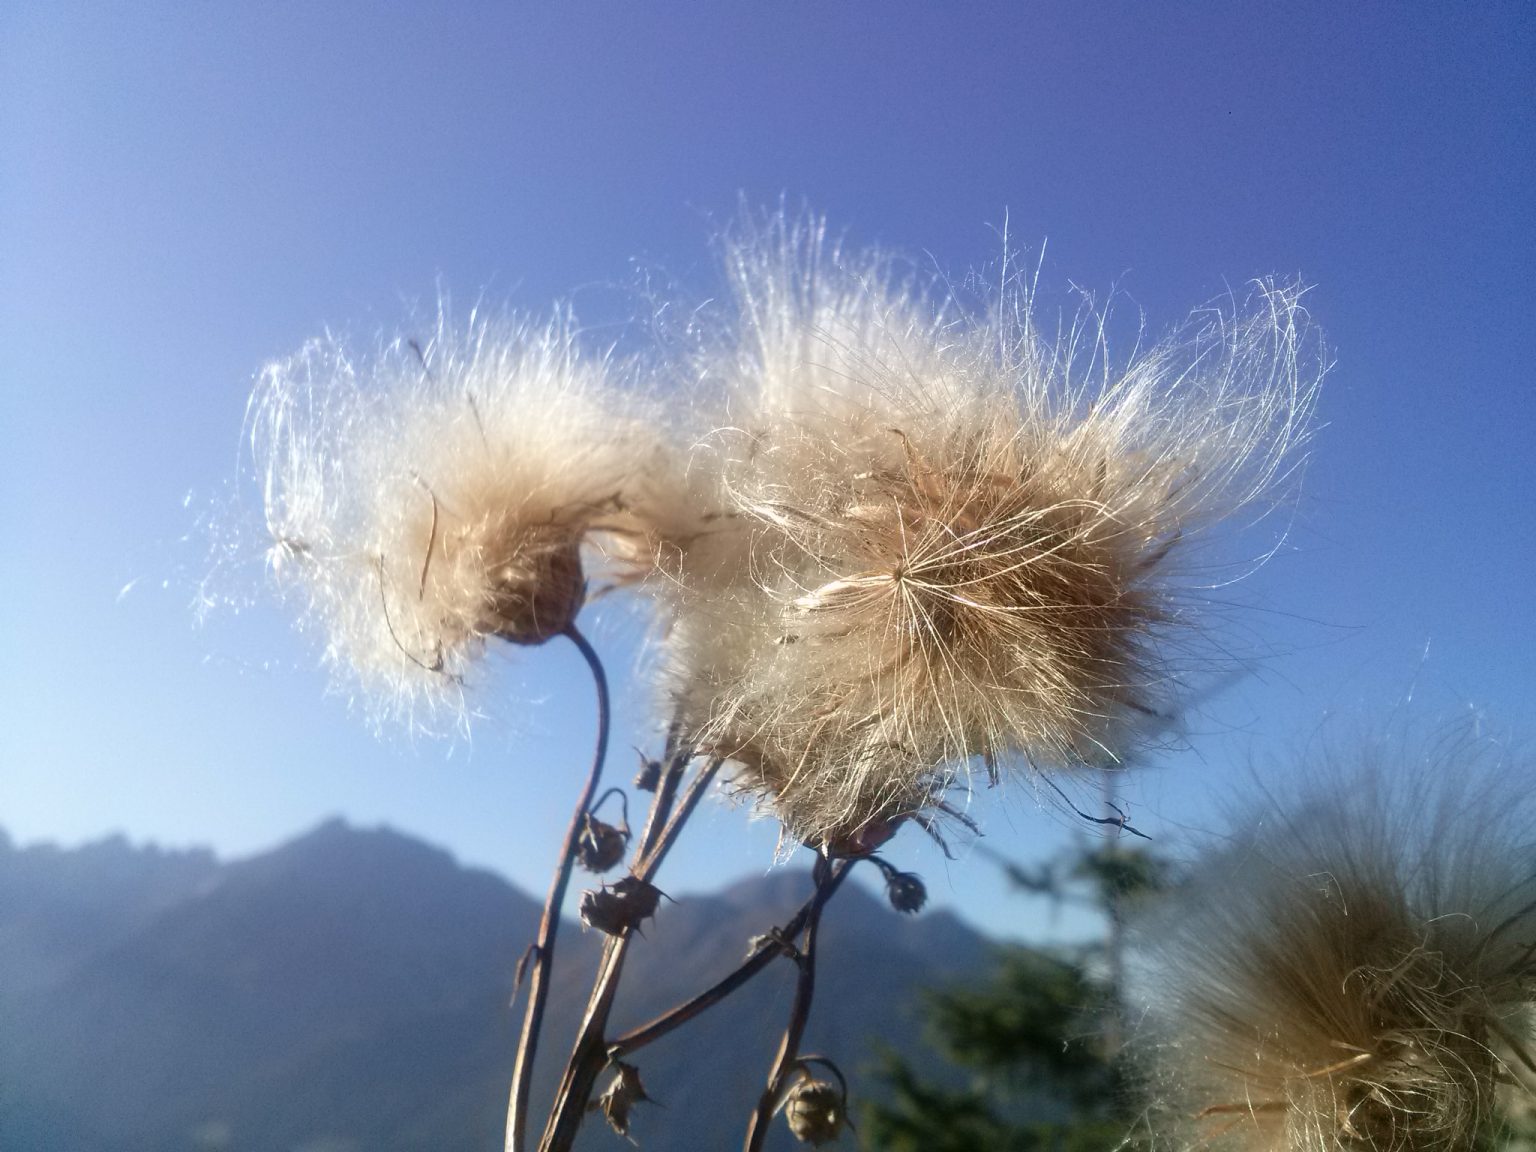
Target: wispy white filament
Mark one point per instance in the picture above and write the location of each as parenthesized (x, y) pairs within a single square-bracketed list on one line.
[(1355, 971), (959, 541), (434, 494)]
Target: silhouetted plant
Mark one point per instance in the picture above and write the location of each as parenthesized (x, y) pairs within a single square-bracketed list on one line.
[(889, 541)]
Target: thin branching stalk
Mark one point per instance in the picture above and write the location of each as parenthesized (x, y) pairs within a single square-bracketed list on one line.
[(650, 860), (766, 952), (549, 924), (674, 763), (589, 1056), (800, 1012)]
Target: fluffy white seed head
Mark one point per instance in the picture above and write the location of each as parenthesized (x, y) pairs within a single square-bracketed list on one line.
[(1353, 973), (440, 493), (961, 541)]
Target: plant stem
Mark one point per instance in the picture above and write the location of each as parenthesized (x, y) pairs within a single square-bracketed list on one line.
[(589, 1056), (800, 1012), (549, 924), (764, 955), (674, 763), (649, 862)]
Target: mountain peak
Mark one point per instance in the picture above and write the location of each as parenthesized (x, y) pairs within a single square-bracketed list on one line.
[(335, 842), (351, 986)]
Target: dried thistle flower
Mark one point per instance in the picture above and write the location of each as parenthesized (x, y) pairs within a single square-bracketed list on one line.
[(600, 846), (624, 1091), (816, 1110), (959, 547), (440, 495), (905, 890), (1352, 975), (648, 778), (615, 908)]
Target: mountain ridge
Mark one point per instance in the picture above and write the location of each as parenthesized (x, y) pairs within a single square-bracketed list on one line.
[(350, 989)]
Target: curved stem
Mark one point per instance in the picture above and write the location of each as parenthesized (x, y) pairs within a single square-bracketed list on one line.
[(549, 924), (590, 1055), (799, 1015), (764, 955)]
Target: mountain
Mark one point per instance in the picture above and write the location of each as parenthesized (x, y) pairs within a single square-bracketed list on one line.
[(349, 991), (59, 908)]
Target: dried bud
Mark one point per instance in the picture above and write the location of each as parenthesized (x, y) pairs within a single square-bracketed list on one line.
[(649, 776), (868, 838), (906, 891), (816, 1112), (536, 595), (600, 846), (616, 908), (622, 1094)]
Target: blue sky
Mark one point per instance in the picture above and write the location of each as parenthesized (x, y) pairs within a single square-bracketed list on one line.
[(189, 190)]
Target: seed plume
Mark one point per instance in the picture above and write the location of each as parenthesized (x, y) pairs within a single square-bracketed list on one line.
[(961, 548), (1355, 973), (440, 493)]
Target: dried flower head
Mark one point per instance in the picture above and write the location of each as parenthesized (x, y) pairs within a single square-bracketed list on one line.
[(618, 1100), (906, 891), (959, 546), (600, 846), (816, 1110), (440, 495), (618, 907), (1352, 975)]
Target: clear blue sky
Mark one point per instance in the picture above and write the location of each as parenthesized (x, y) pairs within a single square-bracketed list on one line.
[(187, 190)]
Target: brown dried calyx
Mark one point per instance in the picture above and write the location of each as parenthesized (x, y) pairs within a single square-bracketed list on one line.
[(648, 778), (534, 596), (601, 846), (618, 907), (816, 1110), (905, 890), (621, 1095)]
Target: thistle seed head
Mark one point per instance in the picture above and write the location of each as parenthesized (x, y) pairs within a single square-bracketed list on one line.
[(963, 543), (440, 494), (648, 777), (1354, 973), (533, 598)]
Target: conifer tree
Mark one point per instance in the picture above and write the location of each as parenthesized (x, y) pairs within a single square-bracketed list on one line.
[(1041, 1041)]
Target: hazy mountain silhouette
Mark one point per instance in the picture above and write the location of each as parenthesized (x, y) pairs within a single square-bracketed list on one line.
[(349, 991)]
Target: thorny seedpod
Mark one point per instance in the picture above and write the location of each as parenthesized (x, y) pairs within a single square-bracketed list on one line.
[(618, 907), (621, 1095), (600, 846), (816, 1112), (649, 776), (906, 891)]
